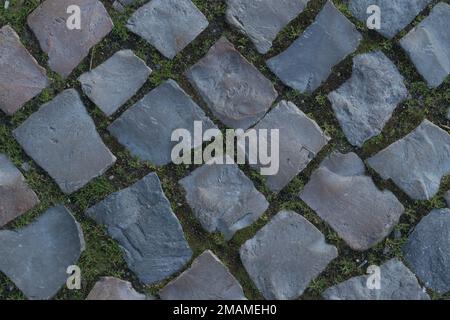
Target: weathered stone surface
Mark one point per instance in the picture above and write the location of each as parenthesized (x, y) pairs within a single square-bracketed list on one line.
[(21, 77), (447, 198), (146, 128), (223, 198), (235, 91), (36, 257), (168, 25), (141, 220), (263, 20), (207, 279), (62, 139), (110, 288), (397, 283), (428, 45), (448, 114), (67, 48), (325, 43), (365, 103), (395, 15), (286, 255), (115, 81), (417, 162), (16, 197), (427, 251)]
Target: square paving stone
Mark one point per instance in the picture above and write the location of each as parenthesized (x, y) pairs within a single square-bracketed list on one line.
[(168, 25), (308, 62), (62, 139), (262, 20), (66, 48), (21, 77), (286, 255), (115, 81), (146, 128), (235, 91)]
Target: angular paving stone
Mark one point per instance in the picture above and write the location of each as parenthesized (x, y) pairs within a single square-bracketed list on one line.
[(417, 162), (427, 251), (397, 283), (146, 128), (16, 197), (115, 81), (286, 255), (428, 45), (263, 20), (235, 91), (110, 288), (348, 200), (206, 279), (395, 15), (21, 77), (447, 198), (62, 139), (168, 25), (325, 43), (141, 220), (67, 48), (223, 198), (365, 103), (36, 257)]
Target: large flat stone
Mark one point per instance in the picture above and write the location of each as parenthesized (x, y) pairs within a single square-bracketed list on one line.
[(235, 91), (207, 279), (168, 25), (21, 77), (141, 220), (36, 257), (263, 20), (286, 255), (67, 48), (416, 163), (115, 81), (110, 288), (308, 62), (365, 103)]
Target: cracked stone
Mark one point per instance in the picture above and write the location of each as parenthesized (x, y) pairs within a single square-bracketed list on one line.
[(110, 288)]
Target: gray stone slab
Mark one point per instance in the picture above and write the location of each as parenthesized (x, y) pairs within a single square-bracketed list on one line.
[(62, 139), (66, 48), (365, 103), (308, 62), (168, 25), (115, 81), (263, 20), (21, 77), (207, 279), (235, 91), (416, 163), (141, 220), (146, 128), (36, 257), (447, 198), (110, 288), (286, 255)]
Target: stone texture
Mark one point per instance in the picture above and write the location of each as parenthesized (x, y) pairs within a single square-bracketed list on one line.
[(397, 283), (21, 77), (115, 81), (62, 139), (110, 288), (206, 279), (16, 197), (428, 45), (263, 20), (67, 48), (141, 220), (286, 255), (309, 60), (235, 91), (168, 25), (448, 114), (417, 162), (365, 103), (36, 257), (146, 128), (223, 198), (447, 198)]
